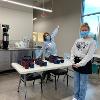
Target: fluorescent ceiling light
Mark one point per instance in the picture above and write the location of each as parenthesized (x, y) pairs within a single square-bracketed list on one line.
[(26, 5)]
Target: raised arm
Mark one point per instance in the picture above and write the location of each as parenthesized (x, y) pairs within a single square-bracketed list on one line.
[(54, 33)]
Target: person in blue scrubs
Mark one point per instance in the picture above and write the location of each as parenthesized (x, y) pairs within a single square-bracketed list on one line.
[(49, 48)]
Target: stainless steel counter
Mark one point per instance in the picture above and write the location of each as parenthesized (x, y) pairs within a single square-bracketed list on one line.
[(19, 49), (14, 55)]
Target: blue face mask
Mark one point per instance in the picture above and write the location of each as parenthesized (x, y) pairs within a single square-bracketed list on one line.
[(84, 34), (48, 38)]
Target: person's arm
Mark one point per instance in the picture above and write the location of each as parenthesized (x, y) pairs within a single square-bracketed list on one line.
[(72, 53), (43, 51), (89, 55), (40, 53), (55, 32)]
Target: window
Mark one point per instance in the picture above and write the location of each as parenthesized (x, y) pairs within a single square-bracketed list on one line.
[(91, 6), (91, 15)]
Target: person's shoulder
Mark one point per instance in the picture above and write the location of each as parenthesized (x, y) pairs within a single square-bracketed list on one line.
[(78, 40), (93, 41)]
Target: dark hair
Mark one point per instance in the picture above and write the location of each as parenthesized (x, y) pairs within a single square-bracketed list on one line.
[(45, 34)]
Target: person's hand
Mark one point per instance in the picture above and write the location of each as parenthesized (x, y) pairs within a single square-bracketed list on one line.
[(76, 65)]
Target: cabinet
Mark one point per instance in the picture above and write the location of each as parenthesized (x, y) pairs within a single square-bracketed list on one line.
[(4, 60)]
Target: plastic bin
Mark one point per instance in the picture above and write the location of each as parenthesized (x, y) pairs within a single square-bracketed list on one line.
[(95, 68)]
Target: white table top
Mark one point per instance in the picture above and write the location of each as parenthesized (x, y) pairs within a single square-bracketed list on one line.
[(50, 66), (97, 55)]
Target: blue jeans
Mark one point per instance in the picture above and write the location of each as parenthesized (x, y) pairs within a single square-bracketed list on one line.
[(80, 85)]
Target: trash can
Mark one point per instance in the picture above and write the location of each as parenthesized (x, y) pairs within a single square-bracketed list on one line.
[(95, 68)]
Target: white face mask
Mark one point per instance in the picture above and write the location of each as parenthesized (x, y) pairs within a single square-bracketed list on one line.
[(48, 38)]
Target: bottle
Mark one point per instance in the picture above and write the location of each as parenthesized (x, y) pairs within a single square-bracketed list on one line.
[(66, 56)]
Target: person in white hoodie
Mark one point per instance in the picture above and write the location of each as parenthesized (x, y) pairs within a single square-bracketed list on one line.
[(81, 56)]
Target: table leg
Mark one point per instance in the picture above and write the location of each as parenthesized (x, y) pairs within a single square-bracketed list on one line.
[(67, 76), (25, 90), (19, 83)]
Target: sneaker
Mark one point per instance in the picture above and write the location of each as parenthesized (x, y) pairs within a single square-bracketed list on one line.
[(74, 99)]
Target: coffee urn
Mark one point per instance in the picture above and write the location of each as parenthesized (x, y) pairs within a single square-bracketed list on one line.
[(5, 40)]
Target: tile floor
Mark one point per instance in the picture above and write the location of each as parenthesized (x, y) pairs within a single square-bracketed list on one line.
[(9, 83)]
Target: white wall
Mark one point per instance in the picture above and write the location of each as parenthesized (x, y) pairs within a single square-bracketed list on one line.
[(20, 22), (66, 13)]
